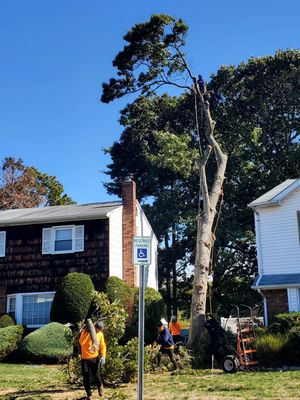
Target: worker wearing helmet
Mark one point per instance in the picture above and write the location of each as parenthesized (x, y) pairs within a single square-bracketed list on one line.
[(166, 341), (91, 357)]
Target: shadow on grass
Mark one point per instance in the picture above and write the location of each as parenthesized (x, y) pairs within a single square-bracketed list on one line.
[(41, 394)]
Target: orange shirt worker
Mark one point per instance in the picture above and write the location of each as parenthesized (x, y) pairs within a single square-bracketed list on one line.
[(175, 329), (91, 358)]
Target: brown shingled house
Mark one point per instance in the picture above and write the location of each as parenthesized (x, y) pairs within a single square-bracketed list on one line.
[(39, 246)]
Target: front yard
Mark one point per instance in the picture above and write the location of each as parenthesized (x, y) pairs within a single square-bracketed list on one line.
[(29, 382)]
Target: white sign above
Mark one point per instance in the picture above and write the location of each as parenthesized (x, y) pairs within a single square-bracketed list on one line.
[(141, 250)]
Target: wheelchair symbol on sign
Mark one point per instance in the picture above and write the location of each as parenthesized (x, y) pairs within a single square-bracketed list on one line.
[(142, 253)]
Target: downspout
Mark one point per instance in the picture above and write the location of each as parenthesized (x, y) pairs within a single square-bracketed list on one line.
[(260, 264), (265, 306)]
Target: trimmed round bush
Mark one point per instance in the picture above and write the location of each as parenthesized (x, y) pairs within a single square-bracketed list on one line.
[(118, 290), (10, 337), (50, 342), (6, 320), (72, 299)]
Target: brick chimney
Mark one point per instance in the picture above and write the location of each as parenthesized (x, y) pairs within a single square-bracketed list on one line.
[(128, 229)]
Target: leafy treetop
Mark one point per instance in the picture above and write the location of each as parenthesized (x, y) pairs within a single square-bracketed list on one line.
[(152, 56)]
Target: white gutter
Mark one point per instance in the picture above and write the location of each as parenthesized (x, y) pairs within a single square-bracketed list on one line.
[(260, 263), (279, 286)]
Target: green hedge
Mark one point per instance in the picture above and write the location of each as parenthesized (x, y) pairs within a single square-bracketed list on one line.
[(6, 320), (72, 299), (282, 323), (271, 349), (10, 337), (155, 309), (50, 342), (279, 344), (118, 290)]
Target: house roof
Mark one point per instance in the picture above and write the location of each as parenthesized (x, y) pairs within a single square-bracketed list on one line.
[(277, 194), (73, 212), (276, 281)]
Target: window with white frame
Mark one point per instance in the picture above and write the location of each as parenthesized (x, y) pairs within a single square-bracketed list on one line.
[(63, 239), (11, 306), (2, 243), (30, 309)]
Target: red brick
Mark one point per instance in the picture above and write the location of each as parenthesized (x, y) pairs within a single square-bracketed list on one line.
[(128, 230)]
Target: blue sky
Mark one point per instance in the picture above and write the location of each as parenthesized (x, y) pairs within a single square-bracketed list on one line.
[(54, 55)]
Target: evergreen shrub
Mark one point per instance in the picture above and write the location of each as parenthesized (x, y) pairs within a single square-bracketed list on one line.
[(6, 320), (293, 346), (155, 309), (282, 323), (272, 349), (72, 299), (10, 337), (51, 342), (119, 290)]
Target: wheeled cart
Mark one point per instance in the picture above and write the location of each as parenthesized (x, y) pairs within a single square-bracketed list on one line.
[(245, 356)]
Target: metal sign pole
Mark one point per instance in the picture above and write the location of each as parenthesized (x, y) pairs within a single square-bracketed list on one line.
[(141, 332), (141, 247)]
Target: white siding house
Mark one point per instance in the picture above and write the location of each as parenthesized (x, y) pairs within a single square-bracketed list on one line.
[(143, 228), (277, 217)]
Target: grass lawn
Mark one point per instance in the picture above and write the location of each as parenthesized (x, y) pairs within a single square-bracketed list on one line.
[(28, 382)]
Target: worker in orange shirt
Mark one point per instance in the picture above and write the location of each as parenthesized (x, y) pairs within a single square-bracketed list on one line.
[(91, 358), (175, 329)]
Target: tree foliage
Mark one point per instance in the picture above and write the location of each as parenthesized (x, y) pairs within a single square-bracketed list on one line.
[(173, 190), (150, 58), (112, 314), (24, 187), (256, 107)]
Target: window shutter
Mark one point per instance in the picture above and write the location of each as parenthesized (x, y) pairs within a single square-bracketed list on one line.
[(2, 243), (79, 238), (47, 241)]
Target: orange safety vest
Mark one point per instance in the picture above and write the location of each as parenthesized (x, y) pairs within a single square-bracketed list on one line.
[(175, 329), (87, 351)]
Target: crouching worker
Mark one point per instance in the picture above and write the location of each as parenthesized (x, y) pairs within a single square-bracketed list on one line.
[(92, 358), (166, 341)]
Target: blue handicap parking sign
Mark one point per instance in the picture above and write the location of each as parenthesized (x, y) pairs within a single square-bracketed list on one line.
[(141, 252)]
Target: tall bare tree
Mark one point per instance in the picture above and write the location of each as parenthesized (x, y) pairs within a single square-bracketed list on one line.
[(154, 57)]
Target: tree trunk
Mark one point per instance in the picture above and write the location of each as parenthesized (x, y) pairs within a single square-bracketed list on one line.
[(202, 264), (168, 281), (208, 199), (174, 274), (174, 289)]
